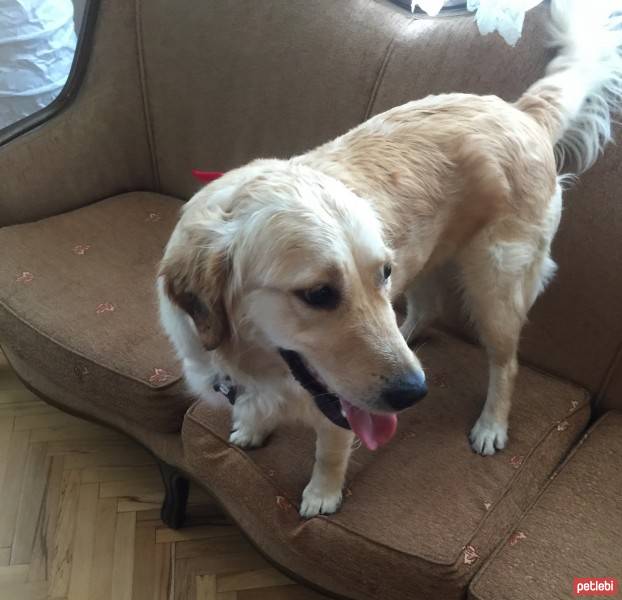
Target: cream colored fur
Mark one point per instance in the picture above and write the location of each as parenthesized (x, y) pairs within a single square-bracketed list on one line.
[(456, 177)]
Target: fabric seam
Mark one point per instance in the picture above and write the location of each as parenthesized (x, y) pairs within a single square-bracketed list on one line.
[(601, 394), (155, 168), (379, 78)]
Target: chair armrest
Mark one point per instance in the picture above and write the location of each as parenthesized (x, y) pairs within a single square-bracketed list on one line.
[(91, 142)]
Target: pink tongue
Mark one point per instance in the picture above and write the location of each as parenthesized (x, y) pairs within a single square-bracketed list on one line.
[(372, 429)]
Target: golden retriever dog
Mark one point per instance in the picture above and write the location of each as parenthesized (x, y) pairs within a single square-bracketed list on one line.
[(276, 286)]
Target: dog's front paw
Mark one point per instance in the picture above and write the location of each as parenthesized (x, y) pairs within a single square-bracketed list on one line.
[(319, 502), (244, 437), (488, 436)]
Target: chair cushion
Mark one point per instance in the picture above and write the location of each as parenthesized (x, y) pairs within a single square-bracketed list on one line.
[(421, 514), (78, 307), (573, 530)]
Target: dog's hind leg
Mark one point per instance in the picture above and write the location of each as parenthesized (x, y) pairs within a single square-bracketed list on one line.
[(501, 280), (494, 301), (423, 305)]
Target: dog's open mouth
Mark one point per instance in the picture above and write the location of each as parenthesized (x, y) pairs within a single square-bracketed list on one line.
[(373, 429)]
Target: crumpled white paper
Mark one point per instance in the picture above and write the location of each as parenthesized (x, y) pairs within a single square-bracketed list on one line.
[(504, 16), (431, 7), (37, 45)]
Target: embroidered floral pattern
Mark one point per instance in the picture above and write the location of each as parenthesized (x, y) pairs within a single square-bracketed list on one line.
[(80, 371), (81, 249), (104, 307), (516, 537), (517, 461), (153, 217), (283, 503), (159, 376), (25, 277), (470, 555), (562, 426), (437, 379)]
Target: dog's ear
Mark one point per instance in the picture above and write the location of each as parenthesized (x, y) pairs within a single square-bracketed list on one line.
[(195, 278)]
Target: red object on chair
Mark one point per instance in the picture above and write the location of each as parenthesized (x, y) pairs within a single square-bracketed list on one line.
[(206, 176)]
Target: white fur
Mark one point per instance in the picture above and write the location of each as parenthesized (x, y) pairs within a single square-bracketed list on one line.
[(589, 71)]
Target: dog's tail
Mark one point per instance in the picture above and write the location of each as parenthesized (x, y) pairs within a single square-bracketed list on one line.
[(583, 84)]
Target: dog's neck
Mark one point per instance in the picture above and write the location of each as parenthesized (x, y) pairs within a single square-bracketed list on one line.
[(247, 358)]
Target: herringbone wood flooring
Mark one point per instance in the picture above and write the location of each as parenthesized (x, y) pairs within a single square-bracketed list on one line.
[(79, 508)]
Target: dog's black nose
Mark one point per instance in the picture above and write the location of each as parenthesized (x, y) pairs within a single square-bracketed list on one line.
[(405, 391)]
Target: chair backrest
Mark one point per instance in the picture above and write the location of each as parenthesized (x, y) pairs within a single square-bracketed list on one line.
[(177, 85)]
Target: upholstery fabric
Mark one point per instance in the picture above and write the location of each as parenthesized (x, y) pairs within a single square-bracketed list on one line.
[(97, 147), (611, 397), (77, 303), (573, 530), (421, 514), (575, 328), (260, 78)]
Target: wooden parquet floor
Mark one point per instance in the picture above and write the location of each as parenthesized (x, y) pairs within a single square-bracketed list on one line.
[(79, 508)]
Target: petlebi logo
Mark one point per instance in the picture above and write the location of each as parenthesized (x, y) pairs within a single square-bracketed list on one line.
[(595, 586)]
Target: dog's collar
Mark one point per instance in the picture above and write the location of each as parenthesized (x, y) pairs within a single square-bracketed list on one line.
[(327, 402), (206, 176), (226, 388)]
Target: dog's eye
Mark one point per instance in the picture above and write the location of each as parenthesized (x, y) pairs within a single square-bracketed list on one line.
[(322, 296), (386, 271)]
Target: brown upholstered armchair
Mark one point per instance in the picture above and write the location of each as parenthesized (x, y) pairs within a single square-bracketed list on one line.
[(89, 192)]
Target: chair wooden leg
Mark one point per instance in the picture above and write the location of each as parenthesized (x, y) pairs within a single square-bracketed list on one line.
[(176, 487)]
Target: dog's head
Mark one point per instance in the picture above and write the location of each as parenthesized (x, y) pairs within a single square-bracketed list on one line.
[(295, 260)]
